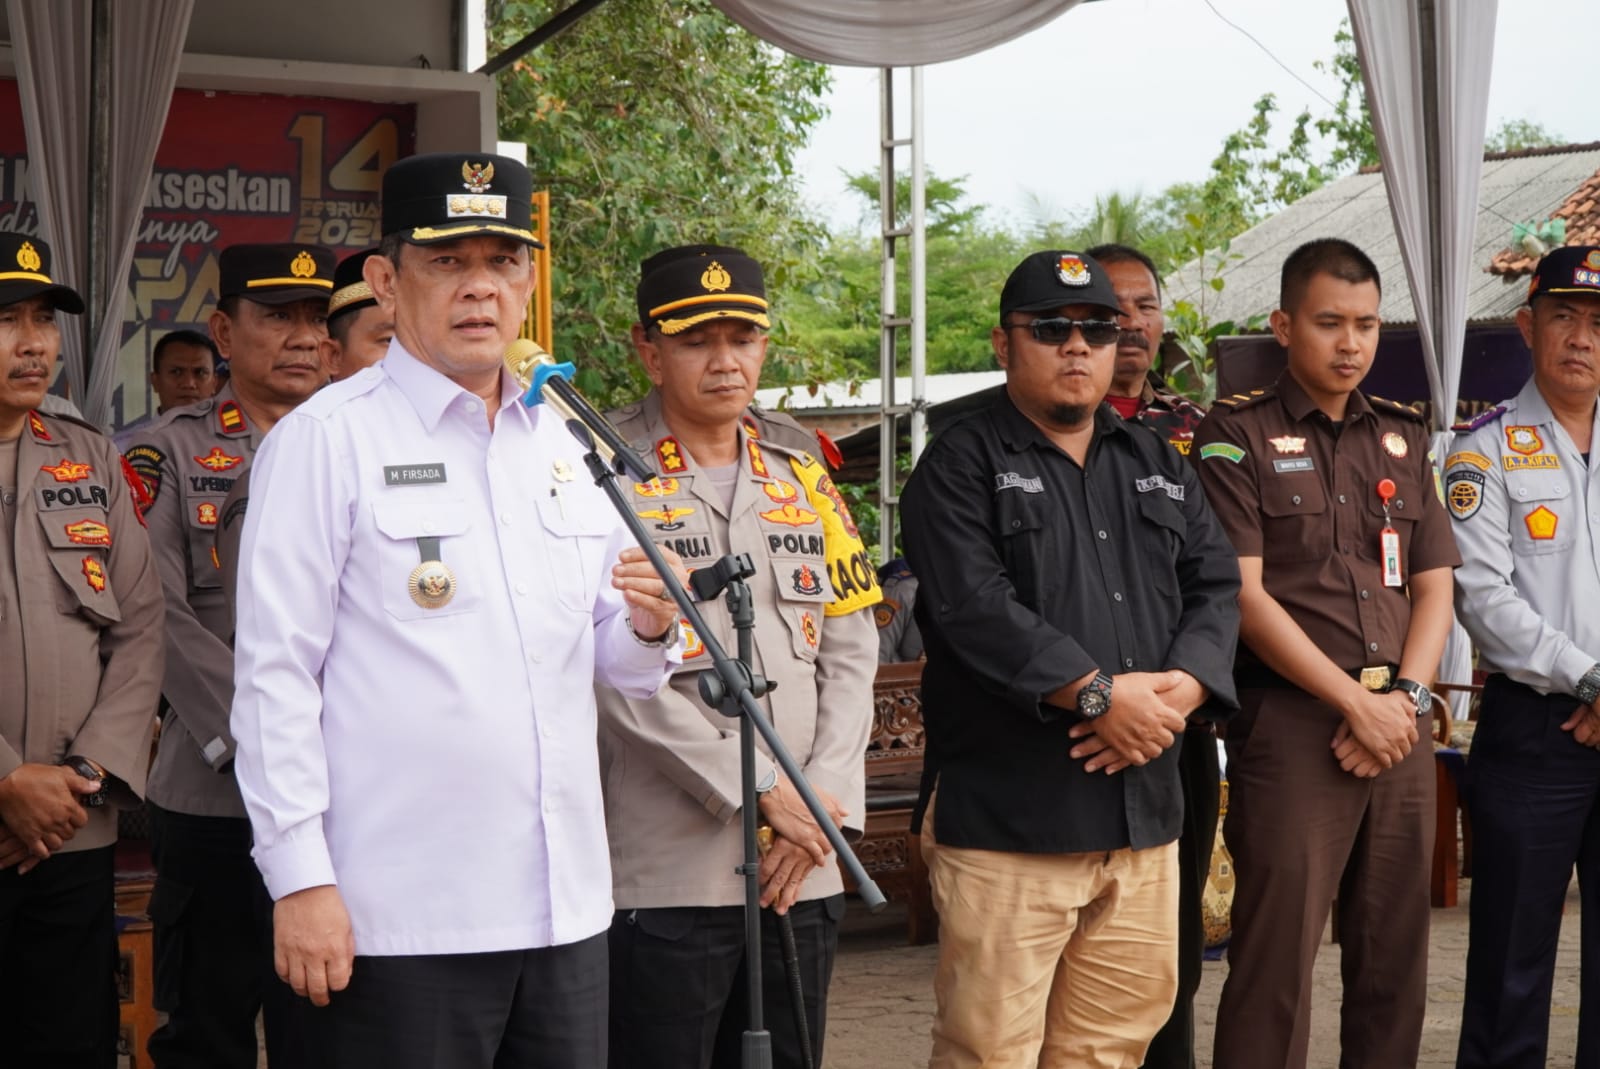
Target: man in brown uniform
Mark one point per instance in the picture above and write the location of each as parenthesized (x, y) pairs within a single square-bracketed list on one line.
[(80, 642), (211, 912), (1345, 553)]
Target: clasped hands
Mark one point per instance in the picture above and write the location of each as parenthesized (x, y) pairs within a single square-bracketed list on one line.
[(40, 812), (1148, 713)]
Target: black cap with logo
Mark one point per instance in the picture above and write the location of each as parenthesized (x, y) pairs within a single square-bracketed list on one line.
[(684, 286), (1056, 277), (25, 273), (1569, 269), (443, 196), (350, 290), (275, 274)]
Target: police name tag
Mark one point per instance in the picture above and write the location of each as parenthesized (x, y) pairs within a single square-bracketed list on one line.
[(1294, 464), (412, 474)]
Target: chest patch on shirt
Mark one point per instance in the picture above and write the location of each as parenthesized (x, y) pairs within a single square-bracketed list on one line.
[(68, 471), (1294, 464), (1542, 524), (1463, 492), (1010, 480), (1524, 440), (1288, 443), (667, 517), (1161, 483), (217, 460), (1518, 462), (1221, 451), (412, 474), (52, 498)]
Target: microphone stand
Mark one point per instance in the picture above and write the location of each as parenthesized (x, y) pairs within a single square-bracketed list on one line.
[(733, 691)]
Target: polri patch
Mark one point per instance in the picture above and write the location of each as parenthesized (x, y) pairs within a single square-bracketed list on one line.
[(1294, 464), (1221, 450), (413, 474)]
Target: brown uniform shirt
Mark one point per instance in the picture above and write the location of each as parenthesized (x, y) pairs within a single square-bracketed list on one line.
[(81, 599), (1300, 492), (189, 460)]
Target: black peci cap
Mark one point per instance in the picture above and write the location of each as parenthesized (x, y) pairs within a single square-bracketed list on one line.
[(1055, 277), (1569, 269), (275, 274), (443, 196), (25, 273), (350, 290), (687, 285)]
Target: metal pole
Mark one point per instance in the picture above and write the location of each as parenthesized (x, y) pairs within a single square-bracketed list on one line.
[(919, 275), (888, 423), (1428, 35), (95, 256)]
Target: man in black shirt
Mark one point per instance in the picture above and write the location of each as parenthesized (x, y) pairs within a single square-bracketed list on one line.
[(1077, 604)]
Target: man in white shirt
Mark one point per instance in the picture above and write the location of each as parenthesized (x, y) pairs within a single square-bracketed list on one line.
[(429, 587)]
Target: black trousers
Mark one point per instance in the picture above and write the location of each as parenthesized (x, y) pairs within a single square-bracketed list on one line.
[(513, 1009), (213, 950), (1532, 792), (1173, 1046), (678, 984), (58, 954)]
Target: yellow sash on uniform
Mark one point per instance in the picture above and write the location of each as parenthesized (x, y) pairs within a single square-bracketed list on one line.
[(850, 570)]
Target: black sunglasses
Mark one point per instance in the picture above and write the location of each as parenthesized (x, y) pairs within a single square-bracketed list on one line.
[(1056, 330)]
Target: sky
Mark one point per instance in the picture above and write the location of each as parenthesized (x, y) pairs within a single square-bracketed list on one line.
[(1134, 95)]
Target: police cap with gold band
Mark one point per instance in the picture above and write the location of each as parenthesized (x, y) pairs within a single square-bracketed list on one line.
[(444, 196), (350, 290), (25, 274), (275, 274), (1568, 269), (683, 287)]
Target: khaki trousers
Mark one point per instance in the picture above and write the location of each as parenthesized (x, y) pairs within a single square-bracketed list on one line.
[(1051, 960)]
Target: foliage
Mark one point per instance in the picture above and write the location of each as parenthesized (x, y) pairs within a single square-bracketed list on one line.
[(941, 201), (1515, 135), (654, 123)]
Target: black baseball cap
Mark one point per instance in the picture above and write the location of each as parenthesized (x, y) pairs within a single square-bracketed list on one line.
[(443, 196), (275, 274), (1569, 269), (25, 273), (1054, 277), (350, 290), (687, 285)]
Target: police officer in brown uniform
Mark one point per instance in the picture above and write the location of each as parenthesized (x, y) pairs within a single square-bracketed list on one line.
[(733, 479), (80, 642), (1345, 553), (210, 908)]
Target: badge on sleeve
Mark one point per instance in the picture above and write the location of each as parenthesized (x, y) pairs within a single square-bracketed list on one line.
[(1223, 450), (1463, 492)]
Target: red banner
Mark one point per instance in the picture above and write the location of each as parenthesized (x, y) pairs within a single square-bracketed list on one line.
[(232, 167)]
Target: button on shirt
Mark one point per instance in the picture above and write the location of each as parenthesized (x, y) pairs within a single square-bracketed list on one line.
[(437, 763), (1033, 572), (1526, 507), (1300, 492)]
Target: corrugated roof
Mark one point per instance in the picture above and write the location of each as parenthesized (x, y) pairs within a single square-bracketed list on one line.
[(1515, 188), (1581, 211)]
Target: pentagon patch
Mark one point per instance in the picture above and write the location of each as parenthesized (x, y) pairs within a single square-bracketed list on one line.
[(1541, 524), (1463, 492)]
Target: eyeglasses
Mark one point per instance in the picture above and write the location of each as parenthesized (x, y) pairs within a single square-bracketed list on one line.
[(1056, 330)]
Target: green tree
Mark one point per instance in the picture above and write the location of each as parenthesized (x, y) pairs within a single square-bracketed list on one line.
[(654, 123), (941, 198), (1515, 135)]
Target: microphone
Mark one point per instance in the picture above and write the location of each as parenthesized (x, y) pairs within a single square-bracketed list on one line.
[(547, 382)]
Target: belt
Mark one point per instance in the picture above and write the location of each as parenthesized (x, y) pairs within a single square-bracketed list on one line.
[(1377, 678)]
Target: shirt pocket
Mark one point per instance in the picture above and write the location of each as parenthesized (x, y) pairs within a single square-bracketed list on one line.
[(400, 524), (1296, 525), (201, 515), (1405, 509), (1023, 534), (576, 527), (1163, 531), (80, 555), (1543, 519), (803, 597)]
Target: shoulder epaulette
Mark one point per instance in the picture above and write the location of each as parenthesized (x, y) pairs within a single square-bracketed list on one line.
[(66, 417), (1488, 415), (778, 428), (1240, 401), (1395, 408), (190, 411)]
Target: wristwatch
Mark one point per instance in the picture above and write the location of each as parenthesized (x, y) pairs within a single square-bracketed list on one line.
[(83, 768), (1420, 695), (769, 782), (1094, 698), (1589, 686), (669, 637)]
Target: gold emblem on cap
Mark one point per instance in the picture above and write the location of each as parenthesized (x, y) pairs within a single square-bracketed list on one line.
[(477, 176), (458, 205), (28, 257), (303, 266), (716, 278), (432, 584)]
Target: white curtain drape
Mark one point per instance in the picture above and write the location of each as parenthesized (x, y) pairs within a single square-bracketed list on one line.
[(51, 39), (1391, 42), (890, 33)]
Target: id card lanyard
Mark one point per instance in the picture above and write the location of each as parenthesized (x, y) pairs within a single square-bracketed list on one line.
[(1389, 538)]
